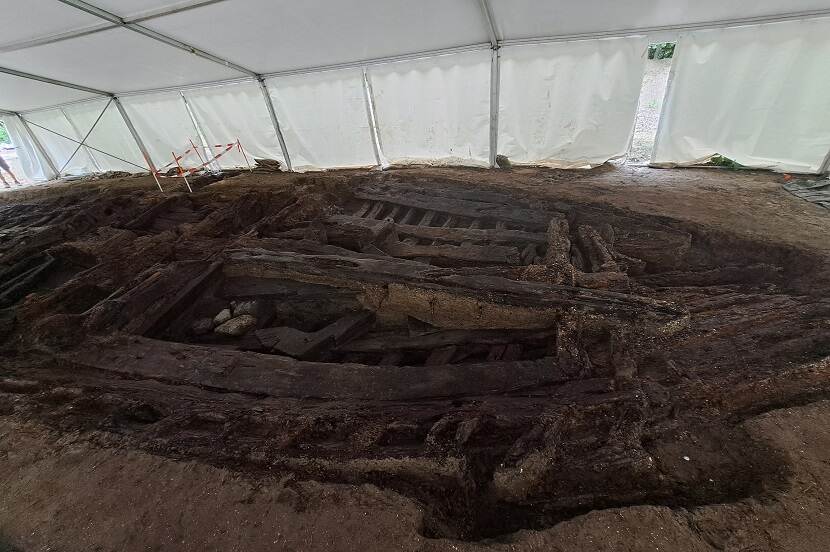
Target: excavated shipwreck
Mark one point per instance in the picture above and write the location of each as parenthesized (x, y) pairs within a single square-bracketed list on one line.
[(505, 361)]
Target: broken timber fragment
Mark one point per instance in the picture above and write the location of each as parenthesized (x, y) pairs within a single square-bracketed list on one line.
[(595, 250), (305, 345)]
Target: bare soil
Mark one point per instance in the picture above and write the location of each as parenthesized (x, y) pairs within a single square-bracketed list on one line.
[(418, 359)]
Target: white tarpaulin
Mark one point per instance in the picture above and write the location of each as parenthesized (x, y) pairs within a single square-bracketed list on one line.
[(570, 104), (163, 122), (235, 112), (570, 78), (435, 109), (61, 149), (323, 119), (759, 95), (110, 136), (34, 167)]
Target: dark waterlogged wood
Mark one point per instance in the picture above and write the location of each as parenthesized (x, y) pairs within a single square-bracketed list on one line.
[(269, 375)]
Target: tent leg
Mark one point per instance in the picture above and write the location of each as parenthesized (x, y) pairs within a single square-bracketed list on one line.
[(270, 105), (825, 165), (369, 98), (137, 139), (494, 106), (40, 148), (205, 147)]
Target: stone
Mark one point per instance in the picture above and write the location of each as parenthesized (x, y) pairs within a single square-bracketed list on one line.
[(223, 316), (201, 326), (237, 326)]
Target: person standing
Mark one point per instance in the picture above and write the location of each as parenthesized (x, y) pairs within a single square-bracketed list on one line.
[(5, 167)]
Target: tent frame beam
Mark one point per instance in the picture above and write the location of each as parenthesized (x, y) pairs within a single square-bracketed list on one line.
[(140, 29), (78, 33), (56, 82)]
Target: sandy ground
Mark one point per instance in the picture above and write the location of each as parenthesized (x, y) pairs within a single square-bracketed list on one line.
[(75, 491)]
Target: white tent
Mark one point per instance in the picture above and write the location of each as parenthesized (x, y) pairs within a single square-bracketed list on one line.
[(318, 84)]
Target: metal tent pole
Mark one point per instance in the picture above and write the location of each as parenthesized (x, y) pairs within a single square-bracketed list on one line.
[(824, 168), (138, 140), (274, 121), (495, 44), (40, 148), (205, 146), (495, 82), (369, 98)]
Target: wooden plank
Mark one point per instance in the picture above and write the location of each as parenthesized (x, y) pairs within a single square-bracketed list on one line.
[(375, 210), (356, 272), (471, 235), (494, 254), (441, 356), (463, 207), (283, 377), (179, 302), (559, 243), (440, 339)]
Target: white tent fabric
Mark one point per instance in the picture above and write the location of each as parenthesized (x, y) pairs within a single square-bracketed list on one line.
[(323, 119), (519, 19), (163, 122), (115, 60), (58, 148), (110, 136), (278, 35), (34, 166), (19, 94), (570, 104), (435, 109), (759, 95), (566, 97), (235, 112)]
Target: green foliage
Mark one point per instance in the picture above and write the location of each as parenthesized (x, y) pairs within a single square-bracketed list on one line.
[(661, 50), (719, 160), (4, 135)]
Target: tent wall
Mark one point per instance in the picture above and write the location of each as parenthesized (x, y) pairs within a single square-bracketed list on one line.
[(564, 92), (34, 166), (759, 95), (110, 135), (164, 124), (570, 104), (323, 119), (61, 149), (235, 112), (435, 110)]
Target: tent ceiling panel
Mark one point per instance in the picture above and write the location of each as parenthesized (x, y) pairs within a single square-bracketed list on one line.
[(275, 35), (38, 18), (140, 8), (537, 18), (19, 94), (116, 60)]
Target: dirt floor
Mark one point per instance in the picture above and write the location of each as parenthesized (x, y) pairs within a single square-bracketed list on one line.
[(419, 359)]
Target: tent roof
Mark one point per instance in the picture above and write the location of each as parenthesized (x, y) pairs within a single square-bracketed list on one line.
[(92, 44)]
